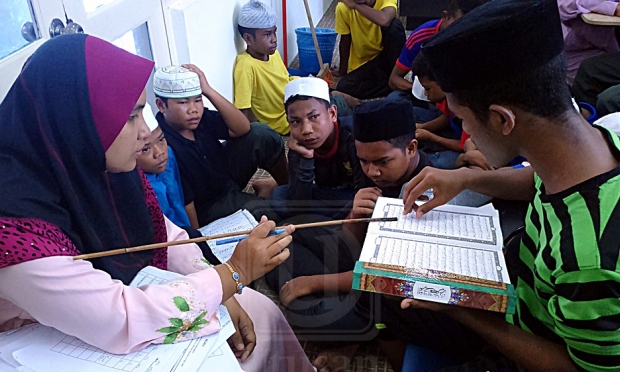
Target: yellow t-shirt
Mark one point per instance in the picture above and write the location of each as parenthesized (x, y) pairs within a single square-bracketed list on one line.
[(259, 85), (365, 35)]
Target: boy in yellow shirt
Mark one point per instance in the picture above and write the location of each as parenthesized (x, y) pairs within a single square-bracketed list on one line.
[(371, 38), (260, 74)]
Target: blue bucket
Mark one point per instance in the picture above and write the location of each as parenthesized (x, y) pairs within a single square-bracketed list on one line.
[(308, 60)]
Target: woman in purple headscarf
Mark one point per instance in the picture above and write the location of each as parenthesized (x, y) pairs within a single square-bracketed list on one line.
[(71, 129)]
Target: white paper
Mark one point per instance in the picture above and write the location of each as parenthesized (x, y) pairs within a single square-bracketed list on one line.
[(455, 239), (221, 359), (241, 220), (471, 227), (42, 348)]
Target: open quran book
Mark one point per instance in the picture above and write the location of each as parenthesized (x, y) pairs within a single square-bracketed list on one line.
[(452, 255)]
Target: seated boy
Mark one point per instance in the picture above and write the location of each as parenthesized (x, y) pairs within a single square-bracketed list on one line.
[(370, 40), (401, 86), (436, 136), (215, 173), (565, 269), (323, 167), (160, 167), (315, 282), (260, 75)]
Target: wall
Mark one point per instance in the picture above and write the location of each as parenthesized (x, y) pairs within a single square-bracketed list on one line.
[(205, 33)]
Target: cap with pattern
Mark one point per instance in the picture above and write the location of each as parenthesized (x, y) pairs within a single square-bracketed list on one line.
[(256, 14), (176, 82)]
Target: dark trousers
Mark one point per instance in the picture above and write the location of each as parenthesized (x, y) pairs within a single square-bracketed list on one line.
[(332, 318), (262, 148), (597, 83), (370, 80)]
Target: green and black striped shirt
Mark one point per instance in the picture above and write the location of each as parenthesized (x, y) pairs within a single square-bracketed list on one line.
[(568, 285)]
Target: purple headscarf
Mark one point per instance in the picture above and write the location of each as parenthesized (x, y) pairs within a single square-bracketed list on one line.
[(70, 102)]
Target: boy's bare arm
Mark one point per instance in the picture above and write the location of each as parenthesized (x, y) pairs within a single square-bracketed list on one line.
[(510, 184), (397, 80), (345, 49), (448, 143), (437, 124), (193, 216), (237, 123), (249, 114), (381, 17)]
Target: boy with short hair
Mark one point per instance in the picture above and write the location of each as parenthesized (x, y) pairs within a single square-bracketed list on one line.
[(323, 167), (370, 39), (215, 173), (401, 86), (159, 164), (260, 74), (315, 282), (565, 269), (439, 135)]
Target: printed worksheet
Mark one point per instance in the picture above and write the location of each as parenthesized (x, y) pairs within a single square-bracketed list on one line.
[(241, 220), (40, 348)]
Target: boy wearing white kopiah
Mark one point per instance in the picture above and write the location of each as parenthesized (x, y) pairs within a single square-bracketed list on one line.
[(323, 164), (218, 152)]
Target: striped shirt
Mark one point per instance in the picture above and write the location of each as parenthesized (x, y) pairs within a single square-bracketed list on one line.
[(414, 43), (568, 272)]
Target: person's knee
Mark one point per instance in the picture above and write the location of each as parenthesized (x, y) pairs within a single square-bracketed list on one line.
[(264, 138), (608, 101)]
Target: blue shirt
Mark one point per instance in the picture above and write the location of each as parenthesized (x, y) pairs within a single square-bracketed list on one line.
[(414, 43), (169, 191)]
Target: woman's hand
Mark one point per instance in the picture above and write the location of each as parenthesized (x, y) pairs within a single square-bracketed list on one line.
[(243, 341), (261, 252)]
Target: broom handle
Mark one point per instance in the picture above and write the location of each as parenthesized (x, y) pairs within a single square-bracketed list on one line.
[(316, 41)]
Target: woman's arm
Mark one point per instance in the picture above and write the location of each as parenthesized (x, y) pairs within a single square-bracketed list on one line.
[(82, 301)]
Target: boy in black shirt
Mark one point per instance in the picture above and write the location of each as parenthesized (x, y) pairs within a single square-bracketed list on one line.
[(213, 172), (324, 171)]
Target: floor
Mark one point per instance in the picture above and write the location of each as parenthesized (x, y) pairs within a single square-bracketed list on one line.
[(369, 357)]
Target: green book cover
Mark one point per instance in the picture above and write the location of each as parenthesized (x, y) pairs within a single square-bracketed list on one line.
[(435, 286)]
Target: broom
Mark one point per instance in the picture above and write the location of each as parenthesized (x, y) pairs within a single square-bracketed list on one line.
[(324, 73)]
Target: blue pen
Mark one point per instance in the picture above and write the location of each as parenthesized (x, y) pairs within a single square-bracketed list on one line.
[(241, 237)]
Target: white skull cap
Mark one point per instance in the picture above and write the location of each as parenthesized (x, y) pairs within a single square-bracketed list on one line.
[(149, 118), (307, 86), (255, 14), (176, 82)]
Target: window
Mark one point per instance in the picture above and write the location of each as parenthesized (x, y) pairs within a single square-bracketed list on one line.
[(17, 28), (136, 41)]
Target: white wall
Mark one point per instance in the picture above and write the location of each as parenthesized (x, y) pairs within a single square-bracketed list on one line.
[(204, 32)]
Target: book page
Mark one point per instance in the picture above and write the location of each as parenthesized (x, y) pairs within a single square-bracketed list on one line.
[(422, 256), (42, 348), (470, 227), (241, 220)]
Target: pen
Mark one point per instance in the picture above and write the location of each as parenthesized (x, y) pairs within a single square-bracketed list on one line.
[(522, 165), (241, 237)]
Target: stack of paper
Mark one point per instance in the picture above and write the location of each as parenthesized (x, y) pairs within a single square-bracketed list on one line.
[(39, 348), (241, 220)]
